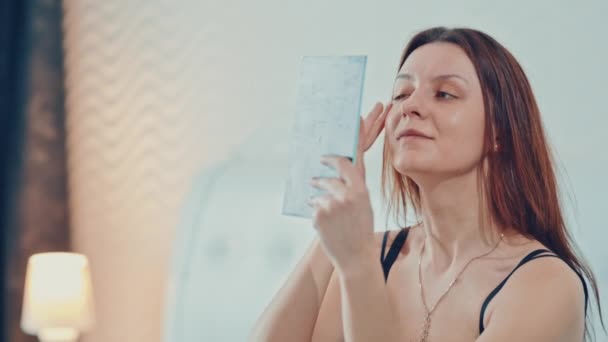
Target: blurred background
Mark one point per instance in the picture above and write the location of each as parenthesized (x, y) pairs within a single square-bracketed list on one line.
[(153, 136)]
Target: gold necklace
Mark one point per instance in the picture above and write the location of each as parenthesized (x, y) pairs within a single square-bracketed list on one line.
[(424, 334)]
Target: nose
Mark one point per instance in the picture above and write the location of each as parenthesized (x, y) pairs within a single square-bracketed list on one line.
[(412, 106)]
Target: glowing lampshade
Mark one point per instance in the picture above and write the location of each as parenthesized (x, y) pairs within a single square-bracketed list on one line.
[(58, 297)]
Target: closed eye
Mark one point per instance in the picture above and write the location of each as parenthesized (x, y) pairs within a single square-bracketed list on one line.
[(445, 96), (440, 94), (400, 96)]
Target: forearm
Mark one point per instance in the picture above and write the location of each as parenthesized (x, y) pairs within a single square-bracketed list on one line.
[(366, 309), (292, 313)]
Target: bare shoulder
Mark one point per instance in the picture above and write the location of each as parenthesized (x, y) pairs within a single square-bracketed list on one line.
[(551, 276), (543, 301)]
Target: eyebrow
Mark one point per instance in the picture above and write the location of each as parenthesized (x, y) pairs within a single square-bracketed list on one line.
[(409, 77)]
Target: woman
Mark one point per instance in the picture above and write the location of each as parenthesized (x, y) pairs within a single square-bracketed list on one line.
[(489, 260)]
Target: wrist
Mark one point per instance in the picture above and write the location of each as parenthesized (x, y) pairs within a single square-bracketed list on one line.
[(360, 267)]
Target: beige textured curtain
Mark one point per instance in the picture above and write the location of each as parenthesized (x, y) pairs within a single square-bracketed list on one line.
[(133, 116)]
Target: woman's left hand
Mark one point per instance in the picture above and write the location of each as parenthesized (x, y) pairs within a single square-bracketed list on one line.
[(343, 216)]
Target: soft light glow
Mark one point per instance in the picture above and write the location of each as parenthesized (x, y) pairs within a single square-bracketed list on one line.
[(58, 334), (57, 300)]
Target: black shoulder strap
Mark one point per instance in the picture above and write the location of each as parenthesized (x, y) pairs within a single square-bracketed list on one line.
[(539, 253), (393, 252)]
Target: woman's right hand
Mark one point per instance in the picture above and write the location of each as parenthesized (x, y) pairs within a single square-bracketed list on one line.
[(369, 130)]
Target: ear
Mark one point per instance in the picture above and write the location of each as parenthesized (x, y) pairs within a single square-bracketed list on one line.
[(496, 145), (495, 136)]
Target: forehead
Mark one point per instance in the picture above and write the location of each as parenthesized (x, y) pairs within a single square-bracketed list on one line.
[(439, 58)]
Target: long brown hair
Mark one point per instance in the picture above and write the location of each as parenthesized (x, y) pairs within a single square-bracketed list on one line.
[(519, 183)]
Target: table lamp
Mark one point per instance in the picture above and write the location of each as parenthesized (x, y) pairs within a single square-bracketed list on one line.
[(57, 298)]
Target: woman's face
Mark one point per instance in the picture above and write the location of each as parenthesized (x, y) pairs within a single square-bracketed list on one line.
[(437, 93)]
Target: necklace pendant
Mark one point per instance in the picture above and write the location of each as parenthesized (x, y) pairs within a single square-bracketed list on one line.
[(424, 334)]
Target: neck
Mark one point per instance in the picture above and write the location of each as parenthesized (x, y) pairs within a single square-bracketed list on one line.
[(452, 221)]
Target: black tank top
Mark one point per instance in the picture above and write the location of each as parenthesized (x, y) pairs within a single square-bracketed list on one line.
[(393, 252)]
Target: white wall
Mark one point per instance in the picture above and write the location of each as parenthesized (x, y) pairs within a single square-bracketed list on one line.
[(158, 90)]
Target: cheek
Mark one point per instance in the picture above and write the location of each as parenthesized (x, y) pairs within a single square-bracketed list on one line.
[(462, 132), (391, 121)]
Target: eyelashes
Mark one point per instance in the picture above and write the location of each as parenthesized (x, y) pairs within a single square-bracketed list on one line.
[(445, 95), (440, 94)]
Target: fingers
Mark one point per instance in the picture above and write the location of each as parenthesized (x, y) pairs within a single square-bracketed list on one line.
[(376, 110), (378, 125), (320, 202), (344, 166), (374, 124), (373, 116), (366, 124), (334, 186)]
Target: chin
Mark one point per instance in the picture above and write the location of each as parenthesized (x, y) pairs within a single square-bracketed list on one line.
[(412, 168), (420, 170)]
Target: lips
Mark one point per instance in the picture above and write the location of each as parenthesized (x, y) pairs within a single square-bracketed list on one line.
[(410, 132)]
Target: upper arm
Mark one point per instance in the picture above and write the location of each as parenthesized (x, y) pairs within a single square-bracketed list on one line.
[(291, 313), (543, 301)]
